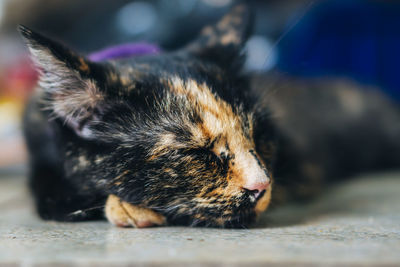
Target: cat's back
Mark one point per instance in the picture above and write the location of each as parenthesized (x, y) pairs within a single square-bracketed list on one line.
[(334, 123)]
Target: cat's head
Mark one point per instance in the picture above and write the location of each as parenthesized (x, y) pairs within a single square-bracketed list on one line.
[(175, 132)]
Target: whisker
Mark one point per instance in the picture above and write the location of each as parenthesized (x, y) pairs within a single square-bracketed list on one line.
[(78, 212)]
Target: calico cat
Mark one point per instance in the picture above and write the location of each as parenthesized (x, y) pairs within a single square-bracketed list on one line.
[(187, 138)]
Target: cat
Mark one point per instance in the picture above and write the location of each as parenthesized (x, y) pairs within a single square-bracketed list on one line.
[(187, 138)]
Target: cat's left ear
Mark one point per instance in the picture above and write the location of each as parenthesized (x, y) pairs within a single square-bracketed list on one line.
[(223, 42), (70, 83)]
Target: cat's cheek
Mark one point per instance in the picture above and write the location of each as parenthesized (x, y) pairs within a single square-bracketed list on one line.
[(263, 203), (123, 214)]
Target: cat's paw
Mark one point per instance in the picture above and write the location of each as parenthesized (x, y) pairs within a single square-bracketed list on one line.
[(123, 214)]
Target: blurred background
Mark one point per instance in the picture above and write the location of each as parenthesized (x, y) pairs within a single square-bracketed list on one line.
[(356, 39)]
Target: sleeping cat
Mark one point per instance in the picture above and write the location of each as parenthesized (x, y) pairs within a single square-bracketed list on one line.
[(186, 138)]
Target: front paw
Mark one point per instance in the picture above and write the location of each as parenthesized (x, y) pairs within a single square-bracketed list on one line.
[(123, 214)]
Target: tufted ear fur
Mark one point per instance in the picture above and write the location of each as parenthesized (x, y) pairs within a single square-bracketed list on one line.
[(223, 42), (70, 83)]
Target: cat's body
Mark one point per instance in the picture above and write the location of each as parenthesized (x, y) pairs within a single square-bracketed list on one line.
[(189, 137), (329, 129)]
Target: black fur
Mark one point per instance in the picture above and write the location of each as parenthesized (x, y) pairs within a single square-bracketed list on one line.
[(80, 154)]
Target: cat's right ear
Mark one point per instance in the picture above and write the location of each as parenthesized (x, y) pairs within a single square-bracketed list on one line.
[(70, 81), (223, 42)]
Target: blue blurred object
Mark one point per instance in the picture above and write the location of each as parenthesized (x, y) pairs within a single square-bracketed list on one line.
[(359, 39)]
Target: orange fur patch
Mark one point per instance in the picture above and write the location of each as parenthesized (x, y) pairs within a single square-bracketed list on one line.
[(264, 202), (123, 214)]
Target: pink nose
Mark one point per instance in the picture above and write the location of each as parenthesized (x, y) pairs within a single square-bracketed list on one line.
[(256, 188)]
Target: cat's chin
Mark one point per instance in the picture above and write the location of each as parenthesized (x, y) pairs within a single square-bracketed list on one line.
[(263, 202), (243, 217)]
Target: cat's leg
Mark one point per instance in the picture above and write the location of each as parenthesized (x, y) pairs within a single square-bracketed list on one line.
[(123, 214)]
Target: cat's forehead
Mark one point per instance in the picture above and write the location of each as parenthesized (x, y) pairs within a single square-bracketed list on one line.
[(198, 85), (157, 68), (219, 125)]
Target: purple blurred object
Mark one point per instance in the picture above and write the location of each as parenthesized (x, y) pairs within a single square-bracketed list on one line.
[(124, 51)]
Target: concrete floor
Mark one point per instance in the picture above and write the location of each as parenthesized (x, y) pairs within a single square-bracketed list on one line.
[(357, 223)]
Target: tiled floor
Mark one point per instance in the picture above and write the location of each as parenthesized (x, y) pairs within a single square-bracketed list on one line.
[(357, 223)]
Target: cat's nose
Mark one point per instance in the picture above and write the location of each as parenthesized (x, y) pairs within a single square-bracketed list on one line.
[(256, 188)]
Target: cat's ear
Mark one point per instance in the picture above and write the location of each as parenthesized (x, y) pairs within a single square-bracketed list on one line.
[(70, 83), (223, 42)]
